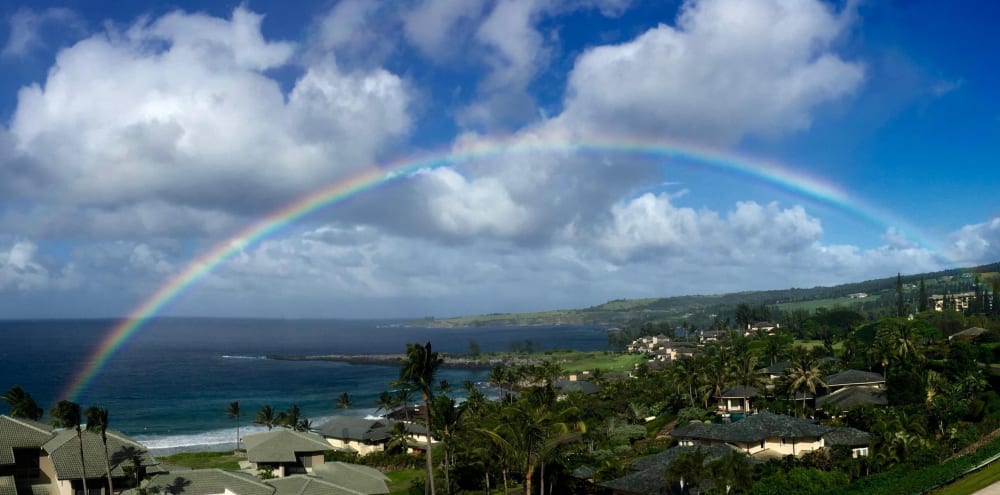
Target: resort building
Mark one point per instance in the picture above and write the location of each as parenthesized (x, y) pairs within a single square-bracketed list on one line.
[(38, 459), (737, 399), (206, 482), (763, 434), (959, 302), (335, 478), (286, 452), (364, 436)]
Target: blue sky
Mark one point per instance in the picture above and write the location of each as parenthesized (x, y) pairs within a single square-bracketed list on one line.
[(134, 136)]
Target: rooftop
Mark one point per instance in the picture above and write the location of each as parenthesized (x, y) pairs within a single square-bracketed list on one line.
[(853, 377), (282, 444), (207, 482), (753, 428)]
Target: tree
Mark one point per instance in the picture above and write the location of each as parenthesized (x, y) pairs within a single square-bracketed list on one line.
[(419, 367), (688, 469), (805, 375), (66, 414), (97, 420), (291, 418), (265, 417), (900, 303), (385, 402), (344, 402), (922, 296), (233, 412), (731, 471), (22, 405)]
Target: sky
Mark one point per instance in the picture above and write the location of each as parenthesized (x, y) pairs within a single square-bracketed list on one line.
[(851, 140)]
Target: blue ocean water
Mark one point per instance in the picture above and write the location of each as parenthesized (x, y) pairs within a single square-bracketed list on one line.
[(170, 383)]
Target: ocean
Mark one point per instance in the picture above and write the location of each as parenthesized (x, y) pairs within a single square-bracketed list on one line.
[(169, 385)]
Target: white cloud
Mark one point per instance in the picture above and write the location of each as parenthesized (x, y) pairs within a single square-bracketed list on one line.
[(20, 270), (26, 26), (439, 27), (976, 243), (180, 111), (727, 69)]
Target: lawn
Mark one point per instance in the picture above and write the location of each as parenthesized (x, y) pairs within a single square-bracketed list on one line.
[(812, 344), (205, 460), (401, 480), (824, 303), (973, 482), (572, 362)]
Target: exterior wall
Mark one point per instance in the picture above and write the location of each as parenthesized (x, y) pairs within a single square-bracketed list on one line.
[(49, 474), (362, 447), (739, 405), (793, 446), (309, 461)]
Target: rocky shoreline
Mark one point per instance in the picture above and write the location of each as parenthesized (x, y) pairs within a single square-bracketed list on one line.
[(394, 360)]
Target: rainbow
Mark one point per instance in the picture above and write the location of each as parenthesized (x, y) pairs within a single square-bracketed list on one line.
[(767, 171)]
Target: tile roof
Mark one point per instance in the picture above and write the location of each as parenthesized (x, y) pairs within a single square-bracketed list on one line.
[(649, 476), (7, 485), (852, 377), (740, 391), (850, 437), (207, 482), (753, 428), (848, 397), (282, 444), (353, 476), (64, 450), (355, 428), (307, 485), (20, 433)]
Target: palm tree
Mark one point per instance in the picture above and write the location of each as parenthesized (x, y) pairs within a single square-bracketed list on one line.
[(233, 412), (265, 417), (419, 367), (498, 377), (404, 394), (385, 402), (97, 420), (732, 471), (292, 417), (688, 469), (344, 402), (22, 405), (66, 414), (805, 375)]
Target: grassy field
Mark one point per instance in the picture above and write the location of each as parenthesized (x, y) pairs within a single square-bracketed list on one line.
[(572, 361), (822, 303), (400, 481), (812, 344), (205, 460), (973, 482)]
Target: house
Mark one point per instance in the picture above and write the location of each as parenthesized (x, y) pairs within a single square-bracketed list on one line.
[(286, 452), (36, 458), (852, 438), (737, 399), (853, 378), (648, 476), (775, 371), (364, 436), (758, 434), (858, 295), (355, 477), (206, 482), (566, 387), (762, 328), (968, 335), (846, 398)]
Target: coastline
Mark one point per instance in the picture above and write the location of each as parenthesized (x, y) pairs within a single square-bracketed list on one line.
[(459, 362)]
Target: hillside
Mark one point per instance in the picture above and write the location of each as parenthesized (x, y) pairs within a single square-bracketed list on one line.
[(701, 308)]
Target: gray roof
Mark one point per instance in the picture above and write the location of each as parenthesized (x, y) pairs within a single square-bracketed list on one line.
[(7, 485), (582, 386), (850, 437), (740, 391), (207, 482), (969, 333), (777, 368), (64, 450), (308, 485), (282, 444), (753, 428), (650, 471), (355, 428), (20, 433), (852, 377), (353, 477), (848, 397)]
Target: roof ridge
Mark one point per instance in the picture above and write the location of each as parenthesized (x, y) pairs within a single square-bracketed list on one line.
[(29, 425), (241, 478)]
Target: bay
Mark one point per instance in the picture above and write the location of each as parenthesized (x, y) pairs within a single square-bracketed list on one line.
[(168, 385)]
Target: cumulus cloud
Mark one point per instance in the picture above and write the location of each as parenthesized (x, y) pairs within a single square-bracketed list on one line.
[(727, 69), (180, 111), (26, 26), (976, 243), (20, 270), (433, 26)]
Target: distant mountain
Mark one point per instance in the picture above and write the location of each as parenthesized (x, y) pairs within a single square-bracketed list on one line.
[(863, 296)]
